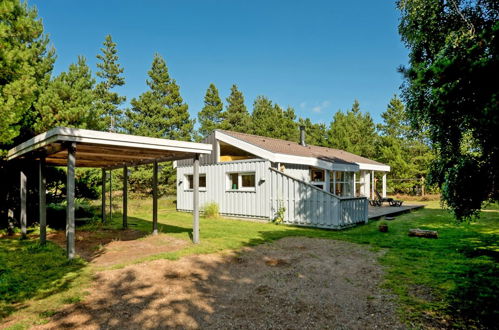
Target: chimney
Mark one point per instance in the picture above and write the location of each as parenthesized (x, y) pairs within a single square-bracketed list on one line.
[(302, 136)]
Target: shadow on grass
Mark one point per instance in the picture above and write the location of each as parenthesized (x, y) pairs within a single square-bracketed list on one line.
[(29, 270)]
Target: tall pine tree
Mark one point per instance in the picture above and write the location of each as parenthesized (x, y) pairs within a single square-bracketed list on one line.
[(354, 132), (210, 117), (160, 111), (110, 72), (268, 119), (68, 100), (26, 64), (236, 116), (316, 133)]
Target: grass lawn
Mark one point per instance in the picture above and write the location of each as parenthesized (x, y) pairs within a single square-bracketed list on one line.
[(452, 280)]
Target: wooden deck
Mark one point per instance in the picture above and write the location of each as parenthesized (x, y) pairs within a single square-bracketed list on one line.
[(377, 212)]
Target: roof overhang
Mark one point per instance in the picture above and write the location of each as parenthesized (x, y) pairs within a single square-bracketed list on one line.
[(104, 149), (374, 167), (285, 158)]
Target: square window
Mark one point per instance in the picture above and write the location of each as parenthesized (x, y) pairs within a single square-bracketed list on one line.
[(190, 181), (317, 175), (248, 180)]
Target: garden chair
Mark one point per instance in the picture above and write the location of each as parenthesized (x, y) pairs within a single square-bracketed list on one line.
[(391, 201)]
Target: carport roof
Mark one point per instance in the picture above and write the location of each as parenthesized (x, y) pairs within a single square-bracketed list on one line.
[(104, 149)]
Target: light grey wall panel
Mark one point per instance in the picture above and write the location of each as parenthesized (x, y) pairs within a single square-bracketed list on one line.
[(253, 204), (309, 206), (301, 172)]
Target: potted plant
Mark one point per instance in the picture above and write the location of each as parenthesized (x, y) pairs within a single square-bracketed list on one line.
[(383, 227)]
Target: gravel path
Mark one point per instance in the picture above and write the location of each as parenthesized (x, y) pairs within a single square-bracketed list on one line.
[(294, 283)]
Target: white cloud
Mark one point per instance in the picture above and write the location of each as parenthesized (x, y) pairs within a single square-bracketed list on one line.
[(321, 106), (303, 105)]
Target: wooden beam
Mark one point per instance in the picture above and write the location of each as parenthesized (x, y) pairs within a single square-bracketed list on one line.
[(195, 199), (125, 197), (22, 215), (42, 209), (155, 199), (96, 155), (70, 199), (103, 201)]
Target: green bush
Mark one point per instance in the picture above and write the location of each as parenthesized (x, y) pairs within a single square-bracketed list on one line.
[(211, 210)]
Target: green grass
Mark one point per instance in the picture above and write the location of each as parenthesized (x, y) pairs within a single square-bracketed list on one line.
[(452, 280)]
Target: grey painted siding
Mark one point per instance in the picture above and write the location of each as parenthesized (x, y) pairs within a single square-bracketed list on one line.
[(305, 204), (301, 172), (309, 206), (252, 204)]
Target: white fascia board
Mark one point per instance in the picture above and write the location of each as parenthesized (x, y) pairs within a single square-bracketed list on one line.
[(372, 167), (63, 134), (284, 158), (315, 162)]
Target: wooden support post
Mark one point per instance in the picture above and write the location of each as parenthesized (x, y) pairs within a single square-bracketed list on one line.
[(373, 184), (334, 182), (42, 209), (354, 186), (125, 197), (70, 199), (327, 180), (22, 215), (155, 198), (103, 205), (384, 185), (111, 195), (195, 199)]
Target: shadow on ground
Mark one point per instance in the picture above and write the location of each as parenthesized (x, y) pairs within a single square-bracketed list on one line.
[(299, 283)]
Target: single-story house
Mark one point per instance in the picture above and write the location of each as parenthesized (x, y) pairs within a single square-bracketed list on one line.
[(254, 176)]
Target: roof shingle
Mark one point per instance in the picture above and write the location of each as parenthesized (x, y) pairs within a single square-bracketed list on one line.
[(295, 149)]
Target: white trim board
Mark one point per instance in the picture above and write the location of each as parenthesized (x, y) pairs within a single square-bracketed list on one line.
[(64, 134)]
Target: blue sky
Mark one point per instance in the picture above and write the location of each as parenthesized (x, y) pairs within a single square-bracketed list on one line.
[(315, 56)]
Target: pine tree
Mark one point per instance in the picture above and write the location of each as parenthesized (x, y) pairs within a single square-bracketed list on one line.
[(316, 133), (25, 69), (210, 117), (265, 118), (269, 119), (236, 116), (409, 158), (68, 100), (107, 101), (354, 132), (395, 119), (160, 111)]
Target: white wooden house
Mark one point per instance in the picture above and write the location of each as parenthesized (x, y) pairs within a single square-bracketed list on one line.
[(253, 176)]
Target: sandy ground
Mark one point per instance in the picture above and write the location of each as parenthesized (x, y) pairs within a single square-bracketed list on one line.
[(110, 247), (294, 283)]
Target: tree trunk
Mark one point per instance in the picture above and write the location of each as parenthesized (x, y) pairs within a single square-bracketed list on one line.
[(423, 233)]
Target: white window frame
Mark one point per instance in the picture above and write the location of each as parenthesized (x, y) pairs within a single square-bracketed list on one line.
[(186, 182), (239, 181), (317, 183), (343, 182)]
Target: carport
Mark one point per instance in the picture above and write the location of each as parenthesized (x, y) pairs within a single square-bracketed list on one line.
[(73, 148)]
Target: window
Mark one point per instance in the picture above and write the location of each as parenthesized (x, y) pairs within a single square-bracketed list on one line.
[(241, 181), (317, 175), (342, 183), (190, 182), (359, 184), (317, 178)]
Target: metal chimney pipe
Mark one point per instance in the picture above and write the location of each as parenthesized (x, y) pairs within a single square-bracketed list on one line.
[(302, 136)]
